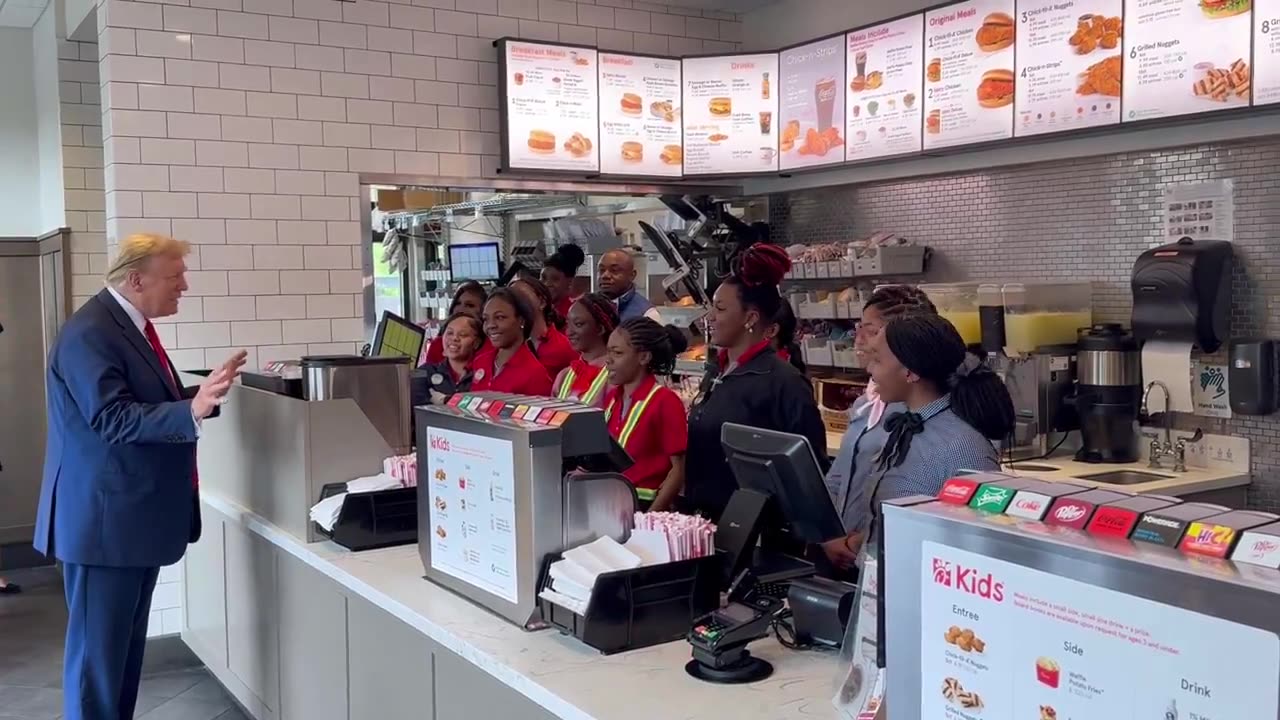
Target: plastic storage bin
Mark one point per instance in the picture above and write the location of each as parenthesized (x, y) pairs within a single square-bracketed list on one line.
[(638, 608), (958, 302), (384, 518), (1043, 314)]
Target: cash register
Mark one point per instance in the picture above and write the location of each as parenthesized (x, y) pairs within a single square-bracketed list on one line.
[(781, 507)]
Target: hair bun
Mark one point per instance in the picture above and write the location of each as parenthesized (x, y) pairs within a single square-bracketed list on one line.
[(762, 265), (572, 256)]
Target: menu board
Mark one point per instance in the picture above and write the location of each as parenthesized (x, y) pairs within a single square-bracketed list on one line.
[(640, 129), (730, 104), (1266, 51), (552, 109), (1185, 56), (884, 75), (473, 510), (969, 81), (811, 105), (1000, 641), (1069, 65)]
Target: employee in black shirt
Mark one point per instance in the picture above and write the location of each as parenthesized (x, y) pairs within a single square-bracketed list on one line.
[(435, 382), (751, 385)]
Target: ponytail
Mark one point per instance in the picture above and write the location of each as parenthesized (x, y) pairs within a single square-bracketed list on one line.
[(980, 398)]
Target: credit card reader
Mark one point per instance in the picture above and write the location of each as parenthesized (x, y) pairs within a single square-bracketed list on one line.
[(719, 640)]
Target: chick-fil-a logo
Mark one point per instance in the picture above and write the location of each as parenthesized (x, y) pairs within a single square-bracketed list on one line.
[(439, 442), (967, 580)]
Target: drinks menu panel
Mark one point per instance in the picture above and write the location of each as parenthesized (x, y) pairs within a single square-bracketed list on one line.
[(552, 107), (1266, 51), (884, 76), (640, 128), (1186, 56), (969, 79), (730, 110), (1069, 65), (811, 104), (1000, 641)]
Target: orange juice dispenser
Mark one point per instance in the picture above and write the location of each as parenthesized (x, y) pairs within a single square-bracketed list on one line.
[(1041, 321), (958, 303)]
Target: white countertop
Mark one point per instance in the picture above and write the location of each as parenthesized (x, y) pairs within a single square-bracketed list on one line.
[(1215, 476), (567, 678)]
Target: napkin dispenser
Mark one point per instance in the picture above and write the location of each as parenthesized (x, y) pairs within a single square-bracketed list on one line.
[(1182, 293)]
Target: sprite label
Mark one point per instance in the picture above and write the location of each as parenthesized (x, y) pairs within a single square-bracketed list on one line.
[(991, 498)]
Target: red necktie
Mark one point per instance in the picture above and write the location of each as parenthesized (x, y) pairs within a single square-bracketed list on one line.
[(154, 339)]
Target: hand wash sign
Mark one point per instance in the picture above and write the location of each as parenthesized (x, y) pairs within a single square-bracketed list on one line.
[(1209, 391)]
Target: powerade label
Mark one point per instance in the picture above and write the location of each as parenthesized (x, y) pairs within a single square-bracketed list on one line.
[(1160, 530), (991, 498)]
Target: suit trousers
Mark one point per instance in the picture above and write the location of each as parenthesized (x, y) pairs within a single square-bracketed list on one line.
[(107, 610)]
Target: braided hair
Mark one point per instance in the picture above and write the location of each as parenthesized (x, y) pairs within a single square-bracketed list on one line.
[(756, 274), (602, 310), (544, 297), (897, 300), (931, 348), (662, 343)]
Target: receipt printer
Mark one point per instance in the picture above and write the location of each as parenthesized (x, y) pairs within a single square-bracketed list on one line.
[(1182, 293)]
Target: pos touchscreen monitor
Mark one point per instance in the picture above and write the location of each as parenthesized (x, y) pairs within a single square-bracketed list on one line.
[(783, 467)]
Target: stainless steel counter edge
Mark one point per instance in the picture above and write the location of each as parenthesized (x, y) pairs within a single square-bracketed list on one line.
[(559, 674)]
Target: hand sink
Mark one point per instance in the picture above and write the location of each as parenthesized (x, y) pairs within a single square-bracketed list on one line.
[(1125, 477)]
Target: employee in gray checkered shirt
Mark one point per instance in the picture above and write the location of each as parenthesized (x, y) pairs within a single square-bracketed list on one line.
[(944, 407)]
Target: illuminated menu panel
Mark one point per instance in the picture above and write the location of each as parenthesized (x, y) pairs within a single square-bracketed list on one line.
[(730, 114), (552, 107), (640, 128), (1069, 65), (811, 105), (969, 79), (1186, 56), (1266, 51), (885, 71)]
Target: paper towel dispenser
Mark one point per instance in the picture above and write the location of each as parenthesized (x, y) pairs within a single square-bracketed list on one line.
[(1182, 293)]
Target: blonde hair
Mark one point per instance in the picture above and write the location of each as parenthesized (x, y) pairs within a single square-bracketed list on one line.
[(135, 250)]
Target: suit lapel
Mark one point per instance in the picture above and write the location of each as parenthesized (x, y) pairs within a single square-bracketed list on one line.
[(139, 342)]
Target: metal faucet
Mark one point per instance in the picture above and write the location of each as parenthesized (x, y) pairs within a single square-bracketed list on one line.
[(1157, 450)]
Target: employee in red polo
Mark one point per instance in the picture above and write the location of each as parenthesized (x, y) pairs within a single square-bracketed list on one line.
[(647, 418), (508, 363), (549, 344)]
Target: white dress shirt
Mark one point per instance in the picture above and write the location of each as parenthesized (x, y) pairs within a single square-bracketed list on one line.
[(140, 322)]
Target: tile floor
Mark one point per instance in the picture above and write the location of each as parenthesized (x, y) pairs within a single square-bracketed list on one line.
[(175, 686)]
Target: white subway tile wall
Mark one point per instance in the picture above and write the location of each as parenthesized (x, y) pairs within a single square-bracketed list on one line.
[(1086, 219), (246, 133)]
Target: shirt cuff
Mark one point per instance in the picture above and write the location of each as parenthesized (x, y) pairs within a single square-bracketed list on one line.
[(195, 421)]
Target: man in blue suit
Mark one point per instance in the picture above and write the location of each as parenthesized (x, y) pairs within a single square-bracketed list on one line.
[(120, 492)]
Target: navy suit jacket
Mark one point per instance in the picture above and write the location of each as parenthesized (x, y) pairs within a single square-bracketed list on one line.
[(121, 451)]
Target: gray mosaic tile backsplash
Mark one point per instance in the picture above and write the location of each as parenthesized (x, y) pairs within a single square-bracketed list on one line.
[(1084, 219)]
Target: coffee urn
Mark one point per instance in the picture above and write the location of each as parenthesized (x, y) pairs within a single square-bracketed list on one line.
[(1108, 394)]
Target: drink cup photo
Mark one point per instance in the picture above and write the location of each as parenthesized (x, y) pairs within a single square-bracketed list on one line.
[(766, 122)]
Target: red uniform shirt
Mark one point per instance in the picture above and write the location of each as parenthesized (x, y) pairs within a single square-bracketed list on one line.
[(563, 304), (522, 375), (583, 382), (659, 431), (435, 351), (554, 352)]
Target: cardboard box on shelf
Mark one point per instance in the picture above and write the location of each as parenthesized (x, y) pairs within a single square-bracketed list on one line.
[(397, 200)]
